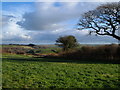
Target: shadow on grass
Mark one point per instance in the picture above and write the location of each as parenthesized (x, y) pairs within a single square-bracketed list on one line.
[(59, 60)]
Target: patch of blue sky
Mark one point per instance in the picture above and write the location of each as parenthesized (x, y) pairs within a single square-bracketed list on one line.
[(18, 0), (8, 5), (17, 8), (58, 4)]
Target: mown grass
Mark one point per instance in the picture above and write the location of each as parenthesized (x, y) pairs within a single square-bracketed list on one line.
[(26, 72)]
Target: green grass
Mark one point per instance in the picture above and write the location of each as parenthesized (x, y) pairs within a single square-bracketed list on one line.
[(8, 45), (48, 50), (45, 49), (26, 72)]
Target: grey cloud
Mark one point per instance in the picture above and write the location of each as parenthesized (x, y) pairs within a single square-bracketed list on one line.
[(47, 37), (9, 16), (50, 37), (45, 16), (6, 19)]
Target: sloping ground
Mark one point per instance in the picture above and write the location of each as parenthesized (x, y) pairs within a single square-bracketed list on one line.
[(26, 72), (23, 49)]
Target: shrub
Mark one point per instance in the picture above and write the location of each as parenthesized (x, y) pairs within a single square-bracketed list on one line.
[(103, 52), (31, 52), (31, 45), (38, 51)]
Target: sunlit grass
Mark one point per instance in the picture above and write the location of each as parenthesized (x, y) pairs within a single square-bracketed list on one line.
[(39, 73)]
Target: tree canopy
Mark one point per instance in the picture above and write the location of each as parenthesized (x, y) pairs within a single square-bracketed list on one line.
[(67, 42), (104, 20)]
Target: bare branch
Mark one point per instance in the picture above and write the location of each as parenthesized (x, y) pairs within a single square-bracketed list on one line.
[(105, 19)]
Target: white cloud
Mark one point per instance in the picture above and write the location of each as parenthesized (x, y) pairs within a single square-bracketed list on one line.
[(11, 30), (25, 36), (47, 16), (47, 23)]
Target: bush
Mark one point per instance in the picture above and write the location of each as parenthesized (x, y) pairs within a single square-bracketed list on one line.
[(31, 52), (31, 45), (102, 53), (67, 42), (38, 51)]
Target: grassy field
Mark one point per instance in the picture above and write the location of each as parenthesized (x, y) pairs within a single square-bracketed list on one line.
[(38, 49), (20, 71)]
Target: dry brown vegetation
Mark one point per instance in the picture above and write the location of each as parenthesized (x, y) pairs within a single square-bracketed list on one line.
[(15, 50), (97, 53), (103, 52)]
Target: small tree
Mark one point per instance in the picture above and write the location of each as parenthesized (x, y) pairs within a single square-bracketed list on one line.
[(31, 45), (104, 20), (67, 42)]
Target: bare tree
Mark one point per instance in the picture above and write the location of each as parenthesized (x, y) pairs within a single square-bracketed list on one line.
[(104, 20)]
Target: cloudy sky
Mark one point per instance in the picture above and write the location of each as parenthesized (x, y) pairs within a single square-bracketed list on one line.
[(44, 22)]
